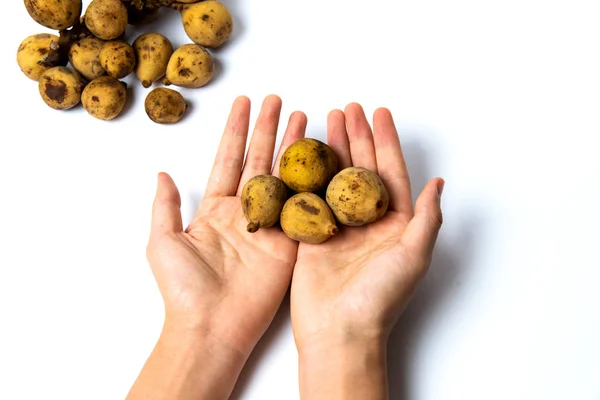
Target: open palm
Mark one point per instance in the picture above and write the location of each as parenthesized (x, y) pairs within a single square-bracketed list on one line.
[(214, 273), (358, 282)]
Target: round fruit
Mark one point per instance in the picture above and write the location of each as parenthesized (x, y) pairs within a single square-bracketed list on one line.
[(117, 59), (60, 88), (357, 197), (85, 58), (165, 106), (263, 198), (190, 66), (308, 165), (54, 14), (37, 54), (104, 98), (106, 19), (307, 218), (207, 23)]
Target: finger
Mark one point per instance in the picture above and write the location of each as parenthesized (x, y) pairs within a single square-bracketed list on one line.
[(259, 160), (362, 149), (337, 138), (226, 171), (296, 130), (422, 231), (390, 162), (166, 210)]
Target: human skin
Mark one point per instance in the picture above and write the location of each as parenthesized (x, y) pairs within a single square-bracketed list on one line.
[(348, 293), (221, 285)]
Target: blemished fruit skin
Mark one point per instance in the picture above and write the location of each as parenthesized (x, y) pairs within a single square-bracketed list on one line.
[(207, 23), (307, 218), (104, 98), (263, 198), (165, 106), (84, 56), (60, 88), (190, 66), (37, 54), (117, 58), (106, 19), (153, 52), (54, 14), (357, 197), (308, 165)]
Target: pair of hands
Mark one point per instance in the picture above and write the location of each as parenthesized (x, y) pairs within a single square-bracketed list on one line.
[(224, 286)]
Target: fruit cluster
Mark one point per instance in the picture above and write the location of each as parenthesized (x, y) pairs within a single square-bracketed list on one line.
[(95, 46), (353, 197)]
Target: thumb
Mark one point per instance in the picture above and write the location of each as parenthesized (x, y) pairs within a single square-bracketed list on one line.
[(166, 211), (422, 231)]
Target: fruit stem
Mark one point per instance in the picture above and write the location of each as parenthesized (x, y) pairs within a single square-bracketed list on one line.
[(333, 230), (166, 81), (146, 84), (252, 227)]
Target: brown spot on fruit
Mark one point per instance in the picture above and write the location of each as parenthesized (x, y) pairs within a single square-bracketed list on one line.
[(308, 208), (95, 98), (56, 91), (185, 72), (205, 17), (379, 204)]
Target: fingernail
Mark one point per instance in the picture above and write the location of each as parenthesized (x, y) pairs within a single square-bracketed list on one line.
[(440, 187)]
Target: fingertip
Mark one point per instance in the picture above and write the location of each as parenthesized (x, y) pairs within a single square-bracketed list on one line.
[(383, 112), (299, 117), (336, 114), (353, 108), (273, 99), (242, 100)]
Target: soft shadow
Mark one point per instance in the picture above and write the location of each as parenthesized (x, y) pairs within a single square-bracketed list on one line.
[(448, 272), (248, 373), (129, 100), (190, 108), (218, 71)]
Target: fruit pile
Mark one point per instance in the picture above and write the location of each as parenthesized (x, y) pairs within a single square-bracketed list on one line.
[(353, 197), (95, 46)]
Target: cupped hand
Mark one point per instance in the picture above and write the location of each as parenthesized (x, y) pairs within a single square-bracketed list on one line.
[(214, 276), (355, 285)]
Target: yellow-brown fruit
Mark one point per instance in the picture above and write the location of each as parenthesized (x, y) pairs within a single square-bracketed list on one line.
[(152, 51), (60, 88), (190, 66), (307, 218), (117, 59), (207, 23), (37, 54), (85, 58), (54, 14), (165, 106), (308, 165), (263, 198), (104, 98), (357, 197), (106, 19)]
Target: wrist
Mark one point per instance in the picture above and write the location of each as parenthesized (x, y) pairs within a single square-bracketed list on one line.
[(202, 363), (343, 367)]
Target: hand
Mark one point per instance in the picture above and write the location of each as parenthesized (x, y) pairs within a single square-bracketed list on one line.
[(348, 293), (221, 285)]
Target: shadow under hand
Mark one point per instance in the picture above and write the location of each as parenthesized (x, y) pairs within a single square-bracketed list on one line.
[(446, 275), (248, 373)]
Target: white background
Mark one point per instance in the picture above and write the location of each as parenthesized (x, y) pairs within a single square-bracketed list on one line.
[(500, 98)]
